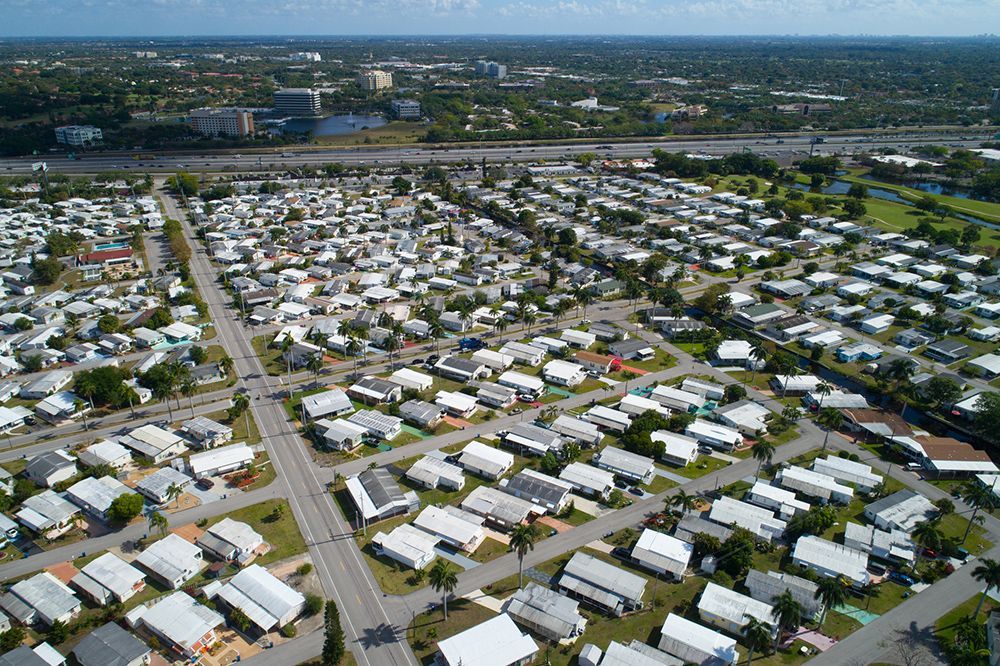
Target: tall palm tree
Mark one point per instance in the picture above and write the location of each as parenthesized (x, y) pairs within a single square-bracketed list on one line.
[(978, 497), (174, 492), (757, 636), (788, 613), (80, 407), (763, 453), (830, 419), (443, 580), (227, 364), (522, 540), (823, 389), (162, 392), (315, 366), (353, 348), (392, 344), (832, 592), (286, 346), (158, 522), (189, 389), (927, 534), (500, 325), (585, 298), (529, 318), (755, 356), (684, 501), (987, 571), (241, 401), (436, 329)]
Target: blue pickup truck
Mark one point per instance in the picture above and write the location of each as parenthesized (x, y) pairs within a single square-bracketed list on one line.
[(471, 344)]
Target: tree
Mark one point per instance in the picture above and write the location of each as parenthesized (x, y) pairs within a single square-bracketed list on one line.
[(788, 612), (125, 507), (12, 638), (757, 636), (979, 497), (986, 417), (174, 492), (970, 235), (522, 540), (683, 501), (189, 388), (227, 364), (58, 633), (315, 366), (830, 419), (832, 592), (198, 355), (927, 535), (942, 391), (241, 403), (157, 521), (109, 324), (823, 389), (443, 580), (239, 619), (735, 556), (734, 393), (46, 271), (333, 643), (314, 604), (763, 452), (988, 572)]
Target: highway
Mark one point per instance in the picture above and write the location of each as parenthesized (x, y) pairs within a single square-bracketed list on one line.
[(786, 147)]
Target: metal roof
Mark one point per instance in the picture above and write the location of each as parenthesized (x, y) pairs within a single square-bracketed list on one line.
[(496, 642), (181, 619), (540, 607), (47, 595), (732, 606), (266, 600), (109, 645), (111, 574), (604, 583), (45, 510)]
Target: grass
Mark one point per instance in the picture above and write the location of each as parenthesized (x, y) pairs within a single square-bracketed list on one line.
[(576, 517), (945, 625), (394, 132), (244, 427), (704, 465), (489, 549), (982, 209), (430, 627), (392, 576), (662, 361), (276, 525), (270, 357), (899, 217), (660, 484)]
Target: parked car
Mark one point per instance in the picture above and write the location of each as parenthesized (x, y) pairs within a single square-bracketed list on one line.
[(707, 450), (901, 578), (205, 484), (876, 569), (621, 553), (636, 491), (931, 553)]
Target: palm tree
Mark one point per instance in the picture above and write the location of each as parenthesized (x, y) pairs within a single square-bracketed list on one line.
[(756, 355), (832, 592), (80, 407), (528, 318), (392, 344), (241, 401), (353, 348), (443, 580), (585, 298), (830, 419), (436, 329), (978, 497), (500, 325), (174, 492), (987, 571), (315, 366), (763, 452), (286, 346), (927, 534), (162, 392), (522, 540), (757, 636), (823, 389), (683, 501), (158, 522), (788, 612), (227, 364), (189, 388)]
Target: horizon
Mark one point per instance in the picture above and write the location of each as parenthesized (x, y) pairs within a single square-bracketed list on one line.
[(494, 18)]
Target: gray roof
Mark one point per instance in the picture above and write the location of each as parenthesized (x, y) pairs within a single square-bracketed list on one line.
[(109, 645), (539, 606), (44, 464), (538, 488), (419, 411), (157, 483), (381, 487), (765, 586), (46, 594), (22, 656), (602, 582)]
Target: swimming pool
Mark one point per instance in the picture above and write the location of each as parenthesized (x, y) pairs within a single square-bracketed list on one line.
[(109, 246)]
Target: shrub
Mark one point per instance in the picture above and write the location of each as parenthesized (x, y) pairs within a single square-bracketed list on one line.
[(304, 569), (314, 604), (288, 631)]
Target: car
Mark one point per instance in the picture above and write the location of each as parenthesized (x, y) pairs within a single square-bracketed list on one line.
[(608, 535), (553, 532), (707, 450), (205, 483), (636, 491), (901, 578), (621, 553), (931, 553), (431, 360), (876, 569), (621, 484), (527, 397)]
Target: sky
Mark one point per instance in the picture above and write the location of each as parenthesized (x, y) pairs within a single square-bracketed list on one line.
[(27, 18)]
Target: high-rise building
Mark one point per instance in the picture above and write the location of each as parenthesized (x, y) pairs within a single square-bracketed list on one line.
[(995, 102), (406, 109), (78, 135), (494, 70), (297, 101), (374, 80), (306, 56), (222, 122)]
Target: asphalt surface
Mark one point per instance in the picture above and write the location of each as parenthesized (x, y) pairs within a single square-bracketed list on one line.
[(789, 145)]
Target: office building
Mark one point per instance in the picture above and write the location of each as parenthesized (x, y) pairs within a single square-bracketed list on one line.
[(374, 80), (493, 70), (221, 122), (297, 102), (79, 135), (406, 109)]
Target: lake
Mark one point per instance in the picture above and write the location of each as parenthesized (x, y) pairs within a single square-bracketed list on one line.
[(332, 125)]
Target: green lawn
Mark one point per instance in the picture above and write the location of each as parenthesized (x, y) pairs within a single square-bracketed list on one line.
[(704, 465), (982, 209), (278, 529), (489, 549), (945, 626), (270, 357), (430, 627), (576, 517), (244, 427)]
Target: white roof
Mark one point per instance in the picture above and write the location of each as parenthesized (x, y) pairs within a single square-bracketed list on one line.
[(675, 445), (662, 550), (409, 542), (496, 642), (586, 476), (171, 557), (760, 521), (219, 458), (625, 461), (714, 431), (265, 599), (181, 619), (672, 395), (829, 556), (847, 470), (701, 638), (409, 378), (520, 380), (97, 494), (733, 606), (813, 483), (455, 400), (779, 495), (563, 369), (450, 525), (476, 449), (110, 572)]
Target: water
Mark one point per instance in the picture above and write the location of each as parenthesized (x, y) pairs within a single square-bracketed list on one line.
[(933, 188), (109, 246), (332, 125)]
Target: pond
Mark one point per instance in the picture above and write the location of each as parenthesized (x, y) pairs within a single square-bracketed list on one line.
[(932, 188), (331, 125)]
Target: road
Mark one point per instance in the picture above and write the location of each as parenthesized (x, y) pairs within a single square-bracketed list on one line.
[(371, 634), (789, 145)]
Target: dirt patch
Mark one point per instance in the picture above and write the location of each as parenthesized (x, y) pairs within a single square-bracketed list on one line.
[(183, 501), (189, 532), (554, 523), (64, 571)]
